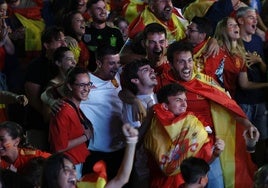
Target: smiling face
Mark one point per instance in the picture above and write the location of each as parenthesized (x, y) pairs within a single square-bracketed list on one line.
[(78, 24), (155, 44), (7, 143), (81, 87), (98, 12), (55, 43), (232, 29), (108, 66), (162, 9), (67, 61), (67, 175), (177, 104), (183, 65)]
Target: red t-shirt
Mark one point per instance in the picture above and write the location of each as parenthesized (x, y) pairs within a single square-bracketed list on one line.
[(24, 156), (64, 127)]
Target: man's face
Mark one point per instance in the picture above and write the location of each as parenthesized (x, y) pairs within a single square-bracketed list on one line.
[(183, 65), (56, 43), (109, 66), (155, 44), (249, 22), (146, 77), (177, 104), (162, 9), (98, 12), (193, 35), (67, 61)]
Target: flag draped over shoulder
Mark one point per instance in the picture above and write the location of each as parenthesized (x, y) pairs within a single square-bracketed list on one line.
[(238, 169), (171, 139), (175, 26), (98, 179)]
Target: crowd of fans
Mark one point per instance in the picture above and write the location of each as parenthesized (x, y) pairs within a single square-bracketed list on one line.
[(133, 93)]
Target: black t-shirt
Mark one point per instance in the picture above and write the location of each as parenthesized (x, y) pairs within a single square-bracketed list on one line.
[(95, 38), (253, 96), (39, 72)]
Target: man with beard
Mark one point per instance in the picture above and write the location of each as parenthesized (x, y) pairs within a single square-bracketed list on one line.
[(225, 118), (199, 33), (162, 12), (98, 33), (104, 109)]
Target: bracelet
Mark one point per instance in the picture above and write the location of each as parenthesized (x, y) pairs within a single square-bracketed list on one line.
[(131, 140), (85, 136)]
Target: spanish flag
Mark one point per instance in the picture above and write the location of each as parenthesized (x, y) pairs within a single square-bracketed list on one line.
[(98, 179), (170, 139), (238, 168)]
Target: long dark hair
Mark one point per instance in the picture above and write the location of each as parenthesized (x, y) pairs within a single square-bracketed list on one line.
[(15, 131), (51, 170)]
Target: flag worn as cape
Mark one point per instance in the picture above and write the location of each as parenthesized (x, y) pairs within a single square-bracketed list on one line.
[(238, 168), (171, 139)]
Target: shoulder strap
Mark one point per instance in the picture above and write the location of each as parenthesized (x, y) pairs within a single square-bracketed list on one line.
[(84, 120)]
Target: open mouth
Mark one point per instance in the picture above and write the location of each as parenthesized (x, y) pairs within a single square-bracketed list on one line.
[(157, 53), (186, 73), (72, 181)]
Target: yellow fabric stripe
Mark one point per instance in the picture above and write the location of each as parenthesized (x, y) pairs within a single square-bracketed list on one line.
[(177, 34), (175, 142), (2, 106), (100, 183), (225, 127), (33, 32), (197, 8)]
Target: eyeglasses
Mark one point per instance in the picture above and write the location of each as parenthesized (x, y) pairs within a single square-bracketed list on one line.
[(84, 85)]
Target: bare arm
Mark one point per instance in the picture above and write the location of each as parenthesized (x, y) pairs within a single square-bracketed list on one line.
[(54, 104), (7, 97), (244, 83), (249, 127), (124, 171)]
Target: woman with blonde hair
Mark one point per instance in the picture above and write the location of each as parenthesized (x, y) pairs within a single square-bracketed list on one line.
[(233, 69)]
